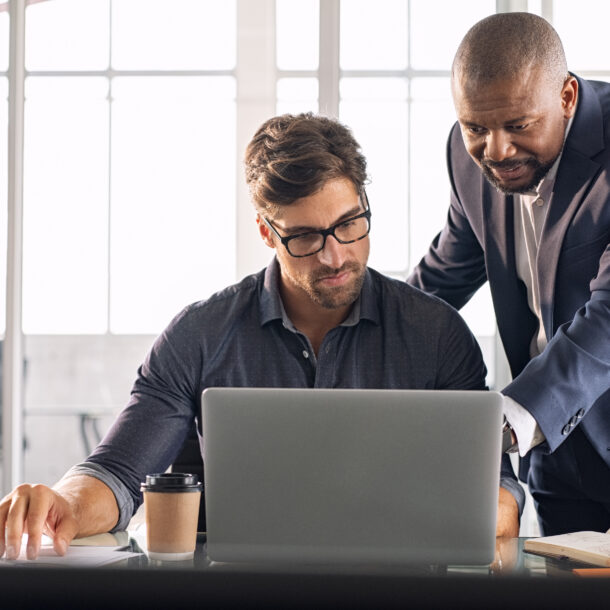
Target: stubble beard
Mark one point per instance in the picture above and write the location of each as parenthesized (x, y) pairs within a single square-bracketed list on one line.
[(540, 171), (335, 297)]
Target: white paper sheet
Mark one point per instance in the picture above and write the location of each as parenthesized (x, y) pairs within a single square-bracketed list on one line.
[(77, 555)]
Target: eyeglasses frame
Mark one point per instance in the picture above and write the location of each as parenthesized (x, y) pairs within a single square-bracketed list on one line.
[(326, 232)]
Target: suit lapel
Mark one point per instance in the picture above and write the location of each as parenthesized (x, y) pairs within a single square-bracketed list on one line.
[(575, 173), (569, 192)]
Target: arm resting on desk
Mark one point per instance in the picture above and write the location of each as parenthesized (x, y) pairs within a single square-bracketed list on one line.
[(76, 506)]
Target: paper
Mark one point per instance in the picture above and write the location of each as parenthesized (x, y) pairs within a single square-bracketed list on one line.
[(78, 555)]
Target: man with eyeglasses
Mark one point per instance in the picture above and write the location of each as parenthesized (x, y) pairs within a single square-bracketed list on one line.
[(317, 316)]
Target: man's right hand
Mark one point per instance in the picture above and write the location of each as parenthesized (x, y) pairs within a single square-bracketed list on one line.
[(35, 510)]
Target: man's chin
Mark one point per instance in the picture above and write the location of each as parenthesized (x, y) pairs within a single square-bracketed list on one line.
[(340, 296), (511, 187)]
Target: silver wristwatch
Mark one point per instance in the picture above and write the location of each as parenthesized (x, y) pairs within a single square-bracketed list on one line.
[(507, 438)]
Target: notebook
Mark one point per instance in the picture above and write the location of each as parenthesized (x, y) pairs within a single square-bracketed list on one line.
[(326, 476)]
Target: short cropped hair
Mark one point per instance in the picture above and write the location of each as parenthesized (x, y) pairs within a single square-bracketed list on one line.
[(293, 156), (503, 45)]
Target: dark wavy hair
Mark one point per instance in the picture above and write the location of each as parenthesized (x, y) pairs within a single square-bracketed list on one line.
[(293, 156)]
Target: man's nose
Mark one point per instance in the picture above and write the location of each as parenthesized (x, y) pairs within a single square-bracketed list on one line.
[(333, 253), (499, 146)]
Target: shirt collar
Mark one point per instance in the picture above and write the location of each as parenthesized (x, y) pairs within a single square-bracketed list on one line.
[(272, 308)]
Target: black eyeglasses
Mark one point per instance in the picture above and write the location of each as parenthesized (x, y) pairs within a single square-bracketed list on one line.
[(345, 232)]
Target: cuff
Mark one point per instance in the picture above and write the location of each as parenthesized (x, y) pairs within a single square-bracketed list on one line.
[(526, 428), (514, 488), (123, 498)]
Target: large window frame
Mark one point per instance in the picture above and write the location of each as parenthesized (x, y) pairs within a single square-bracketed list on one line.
[(256, 75)]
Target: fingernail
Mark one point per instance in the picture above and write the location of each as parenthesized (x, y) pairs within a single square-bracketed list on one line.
[(11, 552), (31, 551)]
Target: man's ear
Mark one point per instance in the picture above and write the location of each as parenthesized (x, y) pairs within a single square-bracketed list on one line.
[(569, 96), (264, 231)]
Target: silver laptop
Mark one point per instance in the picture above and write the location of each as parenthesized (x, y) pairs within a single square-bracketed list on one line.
[(329, 476)]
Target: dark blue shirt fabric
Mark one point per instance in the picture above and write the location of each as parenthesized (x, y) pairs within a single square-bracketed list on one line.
[(395, 337)]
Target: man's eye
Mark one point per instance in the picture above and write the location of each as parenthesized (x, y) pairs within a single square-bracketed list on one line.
[(520, 127), (475, 130)]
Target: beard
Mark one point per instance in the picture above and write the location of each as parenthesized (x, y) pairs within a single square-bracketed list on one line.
[(334, 297), (540, 171)]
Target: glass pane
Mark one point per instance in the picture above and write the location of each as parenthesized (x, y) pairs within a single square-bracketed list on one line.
[(181, 34), (584, 38), (479, 315), (432, 115), (297, 34), (375, 110), (4, 39), (65, 205), (173, 196), (3, 198), (374, 34), (296, 95), (75, 385), (67, 35), (437, 29)]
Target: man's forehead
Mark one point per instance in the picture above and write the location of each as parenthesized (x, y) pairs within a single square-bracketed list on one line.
[(331, 203), (512, 100)]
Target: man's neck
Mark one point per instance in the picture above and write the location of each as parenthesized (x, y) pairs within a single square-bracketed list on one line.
[(310, 318)]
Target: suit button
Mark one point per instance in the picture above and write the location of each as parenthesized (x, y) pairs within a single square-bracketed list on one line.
[(574, 420), (580, 413), (566, 429)]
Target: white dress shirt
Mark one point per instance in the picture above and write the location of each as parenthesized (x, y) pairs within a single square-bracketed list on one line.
[(529, 215)]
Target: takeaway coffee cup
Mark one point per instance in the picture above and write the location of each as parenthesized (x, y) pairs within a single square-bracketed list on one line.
[(171, 505)]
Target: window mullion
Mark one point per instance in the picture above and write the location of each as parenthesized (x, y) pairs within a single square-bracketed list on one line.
[(329, 66), (256, 90)]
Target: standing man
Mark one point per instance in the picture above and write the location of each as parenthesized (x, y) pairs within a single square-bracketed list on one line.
[(529, 165), (317, 316)]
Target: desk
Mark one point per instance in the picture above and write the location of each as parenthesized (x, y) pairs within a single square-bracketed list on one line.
[(525, 581)]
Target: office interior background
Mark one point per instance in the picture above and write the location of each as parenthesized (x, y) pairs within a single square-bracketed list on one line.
[(122, 199)]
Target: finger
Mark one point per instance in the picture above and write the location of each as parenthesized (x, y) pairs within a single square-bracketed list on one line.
[(15, 522), (4, 506), (46, 512), (35, 523), (64, 534)]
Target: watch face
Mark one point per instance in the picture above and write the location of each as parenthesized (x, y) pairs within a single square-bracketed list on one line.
[(507, 437)]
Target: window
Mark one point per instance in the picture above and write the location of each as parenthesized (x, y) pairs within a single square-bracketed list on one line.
[(137, 113), (129, 162)]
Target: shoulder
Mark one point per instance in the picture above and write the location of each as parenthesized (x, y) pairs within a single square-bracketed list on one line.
[(397, 296), (223, 305)]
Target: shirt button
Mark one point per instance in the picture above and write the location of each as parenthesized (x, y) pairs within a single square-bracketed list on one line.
[(305, 354), (539, 202)]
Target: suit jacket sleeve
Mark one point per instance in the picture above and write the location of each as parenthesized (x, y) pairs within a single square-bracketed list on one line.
[(572, 376)]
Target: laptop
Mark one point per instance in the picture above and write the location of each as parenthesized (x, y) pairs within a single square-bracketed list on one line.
[(359, 476)]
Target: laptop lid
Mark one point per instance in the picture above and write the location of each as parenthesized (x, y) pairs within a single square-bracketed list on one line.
[(351, 476)]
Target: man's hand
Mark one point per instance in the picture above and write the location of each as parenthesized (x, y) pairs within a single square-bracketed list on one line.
[(77, 506), (507, 525), (35, 510)]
